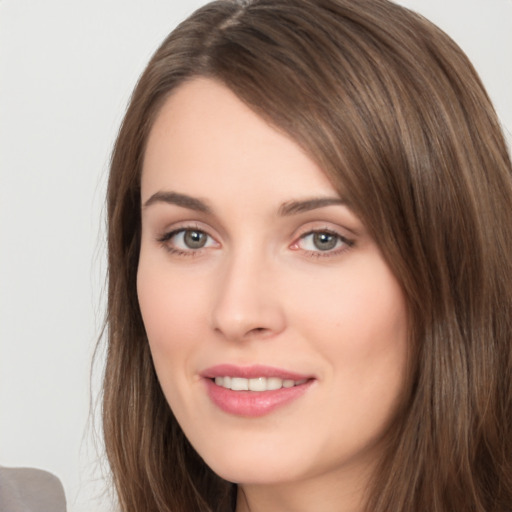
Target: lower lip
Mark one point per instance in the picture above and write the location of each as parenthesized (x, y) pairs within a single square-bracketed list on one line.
[(253, 403)]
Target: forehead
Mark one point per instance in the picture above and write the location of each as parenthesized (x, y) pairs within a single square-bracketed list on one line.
[(205, 139)]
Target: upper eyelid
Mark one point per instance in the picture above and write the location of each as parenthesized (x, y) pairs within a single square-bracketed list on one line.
[(346, 240), (176, 227), (325, 218), (169, 233), (330, 231), (344, 233), (215, 232)]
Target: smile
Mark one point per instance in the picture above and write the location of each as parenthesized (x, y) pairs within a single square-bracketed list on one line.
[(253, 391), (256, 384)]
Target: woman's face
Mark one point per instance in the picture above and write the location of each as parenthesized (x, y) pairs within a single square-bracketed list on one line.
[(278, 332)]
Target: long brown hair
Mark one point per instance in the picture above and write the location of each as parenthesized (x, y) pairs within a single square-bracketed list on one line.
[(395, 114)]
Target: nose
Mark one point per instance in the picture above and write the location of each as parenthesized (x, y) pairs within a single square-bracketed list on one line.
[(247, 303)]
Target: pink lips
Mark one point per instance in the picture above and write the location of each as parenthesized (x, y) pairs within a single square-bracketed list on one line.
[(252, 403)]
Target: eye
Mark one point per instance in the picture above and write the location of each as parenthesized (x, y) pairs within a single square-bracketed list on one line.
[(323, 241), (187, 240), (192, 239)]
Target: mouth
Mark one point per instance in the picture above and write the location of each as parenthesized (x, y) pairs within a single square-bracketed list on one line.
[(253, 391), (256, 384)]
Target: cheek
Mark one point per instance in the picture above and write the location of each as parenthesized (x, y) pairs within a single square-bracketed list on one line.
[(359, 324), (360, 308), (170, 309), (170, 305)]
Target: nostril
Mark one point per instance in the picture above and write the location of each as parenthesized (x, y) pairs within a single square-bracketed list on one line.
[(257, 330)]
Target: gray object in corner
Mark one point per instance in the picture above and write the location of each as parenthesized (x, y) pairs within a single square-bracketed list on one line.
[(30, 490)]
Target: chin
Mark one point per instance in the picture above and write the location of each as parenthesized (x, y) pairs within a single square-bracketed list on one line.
[(253, 474), (253, 465), (252, 458)]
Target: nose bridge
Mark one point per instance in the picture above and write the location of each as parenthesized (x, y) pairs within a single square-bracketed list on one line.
[(245, 301)]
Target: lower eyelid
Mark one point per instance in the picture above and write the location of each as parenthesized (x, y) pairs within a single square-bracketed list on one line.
[(338, 251), (340, 248), (166, 237)]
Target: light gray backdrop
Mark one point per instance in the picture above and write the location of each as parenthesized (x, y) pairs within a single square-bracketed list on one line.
[(67, 68)]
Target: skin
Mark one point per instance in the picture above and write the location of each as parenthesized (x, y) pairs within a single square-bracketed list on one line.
[(263, 290)]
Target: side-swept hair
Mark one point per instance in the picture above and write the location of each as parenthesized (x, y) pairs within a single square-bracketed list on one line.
[(394, 113)]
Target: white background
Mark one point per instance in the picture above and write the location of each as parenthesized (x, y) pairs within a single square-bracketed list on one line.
[(67, 68)]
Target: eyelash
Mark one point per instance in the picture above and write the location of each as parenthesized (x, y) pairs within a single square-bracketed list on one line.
[(166, 237), (347, 243)]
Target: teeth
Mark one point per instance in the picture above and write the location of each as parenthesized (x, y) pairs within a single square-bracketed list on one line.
[(257, 384), (274, 383), (238, 384)]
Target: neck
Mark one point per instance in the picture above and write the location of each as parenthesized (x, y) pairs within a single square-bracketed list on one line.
[(332, 493)]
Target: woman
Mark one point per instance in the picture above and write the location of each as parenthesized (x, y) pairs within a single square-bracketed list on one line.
[(310, 248)]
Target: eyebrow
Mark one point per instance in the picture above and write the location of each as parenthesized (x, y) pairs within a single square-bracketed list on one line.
[(296, 207), (286, 209), (192, 203)]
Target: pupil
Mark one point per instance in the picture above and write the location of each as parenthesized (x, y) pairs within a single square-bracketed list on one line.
[(324, 241), (194, 239)]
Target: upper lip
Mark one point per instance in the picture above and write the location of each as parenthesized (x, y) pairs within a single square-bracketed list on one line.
[(251, 372)]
